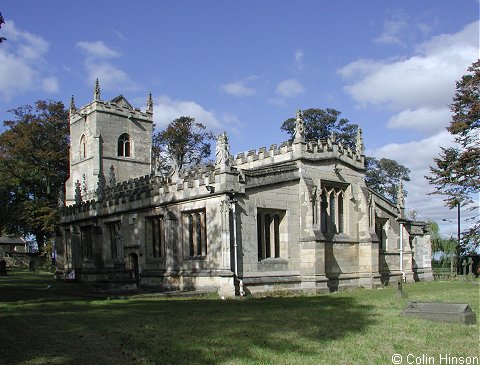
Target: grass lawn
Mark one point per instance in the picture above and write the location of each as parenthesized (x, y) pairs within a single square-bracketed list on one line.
[(69, 325)]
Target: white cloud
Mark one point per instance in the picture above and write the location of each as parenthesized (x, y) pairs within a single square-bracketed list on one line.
[(167, 109), (426, 120), (418, 156), (418, 89), (110, 77), (50, 84), (97, 49), (22, 64), (239, 88), (98, 66), (299, 56), (424, 81), (289, 88), (392, 30)]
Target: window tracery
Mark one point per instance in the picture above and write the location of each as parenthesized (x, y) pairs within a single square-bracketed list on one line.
[(124, 145)]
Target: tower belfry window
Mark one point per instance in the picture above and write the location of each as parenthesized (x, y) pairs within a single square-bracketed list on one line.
[(83, 147), (124, 145)]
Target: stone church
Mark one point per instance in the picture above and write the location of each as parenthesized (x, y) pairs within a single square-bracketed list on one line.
[(295, 217)]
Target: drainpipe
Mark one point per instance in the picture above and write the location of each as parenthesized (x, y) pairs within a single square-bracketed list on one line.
[(401, 252), (234, 202)]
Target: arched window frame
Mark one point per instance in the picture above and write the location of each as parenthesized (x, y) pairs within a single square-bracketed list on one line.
[(340, 212), (333, 208), (124, 145), (195, 234), (83, 147)]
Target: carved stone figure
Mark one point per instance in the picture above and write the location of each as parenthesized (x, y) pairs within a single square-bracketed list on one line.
[(222, 150), (299, 128), (112, 181), (400, 196), (78, 193), (359, 146)]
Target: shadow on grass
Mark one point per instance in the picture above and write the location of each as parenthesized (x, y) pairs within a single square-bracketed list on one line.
[(175, 331)]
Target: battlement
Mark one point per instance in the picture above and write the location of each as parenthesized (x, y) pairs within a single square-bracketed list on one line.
[(177, 185), (112, 107), (311, 150)]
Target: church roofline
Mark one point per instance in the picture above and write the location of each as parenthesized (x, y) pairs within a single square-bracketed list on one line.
[(111, 108)]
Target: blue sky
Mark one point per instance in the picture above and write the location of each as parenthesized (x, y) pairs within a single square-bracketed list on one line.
[(246, 66)]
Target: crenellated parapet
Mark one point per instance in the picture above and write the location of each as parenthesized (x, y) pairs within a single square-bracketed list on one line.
[(111, 107), (118, 105), (224, 174), (323, 149), (154, 190)]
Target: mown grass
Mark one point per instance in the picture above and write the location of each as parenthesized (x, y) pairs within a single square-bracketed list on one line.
[(69, 324)]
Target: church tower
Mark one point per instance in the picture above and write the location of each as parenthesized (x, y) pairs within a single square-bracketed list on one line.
[(110, 141)]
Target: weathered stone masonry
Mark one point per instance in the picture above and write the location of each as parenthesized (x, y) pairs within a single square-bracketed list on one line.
[(304, 219)]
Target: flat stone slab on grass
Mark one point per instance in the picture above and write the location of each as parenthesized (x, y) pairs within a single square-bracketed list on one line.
[(441, 312)]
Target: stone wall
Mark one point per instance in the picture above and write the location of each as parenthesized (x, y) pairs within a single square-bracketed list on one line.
[(305, 222)]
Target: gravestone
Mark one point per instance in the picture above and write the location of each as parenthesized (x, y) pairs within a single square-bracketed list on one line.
[(3, 268), (441, 312)]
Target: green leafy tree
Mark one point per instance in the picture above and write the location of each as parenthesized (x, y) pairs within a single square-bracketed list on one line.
[(320, 124), (456, 173), (446, 247), (33, 168), (183, 142), (384, 176)]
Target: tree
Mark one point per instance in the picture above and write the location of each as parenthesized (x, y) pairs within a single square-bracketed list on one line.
[(183, 143), (320, 124), (456, 174), (446, 247), (2, 21), (33, 168), (384, 176)]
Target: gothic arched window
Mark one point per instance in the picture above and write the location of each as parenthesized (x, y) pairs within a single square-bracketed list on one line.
[(83, 147), (340, 218), (333, 210), (124, 145)]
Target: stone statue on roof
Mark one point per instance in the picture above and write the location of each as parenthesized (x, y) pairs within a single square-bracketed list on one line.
[(299, 128), (359, 146), (222, 151)]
